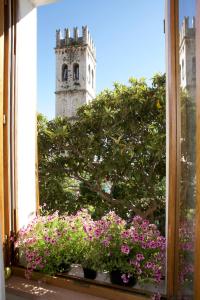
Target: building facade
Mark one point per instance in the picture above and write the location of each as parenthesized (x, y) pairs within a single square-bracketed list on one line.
[(75, 71)]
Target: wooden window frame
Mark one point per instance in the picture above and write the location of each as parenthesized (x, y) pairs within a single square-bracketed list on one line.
[(7, 92), (2, 215), (173, 148), (7, 124), (197, 220), (172, 144)]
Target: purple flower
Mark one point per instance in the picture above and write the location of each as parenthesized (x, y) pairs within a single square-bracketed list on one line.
[(149, 265), (156, 296), (106, 242), (139, 256), (137, 219), (134, 263), (135, 237), (125, 278), (125, 234), (125, 249), (97, 233)]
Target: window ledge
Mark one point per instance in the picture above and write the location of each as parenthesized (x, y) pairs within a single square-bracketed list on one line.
[(20, 288), (48, 287)]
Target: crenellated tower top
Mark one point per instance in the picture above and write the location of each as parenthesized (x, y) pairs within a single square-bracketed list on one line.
[(66, 40), (186, 30)]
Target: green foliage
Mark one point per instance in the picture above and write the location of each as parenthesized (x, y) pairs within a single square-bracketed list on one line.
[(114, 153), (52, 242), (57, 191)]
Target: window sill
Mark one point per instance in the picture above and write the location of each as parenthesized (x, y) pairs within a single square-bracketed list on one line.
[(94, 290), (18, 288)]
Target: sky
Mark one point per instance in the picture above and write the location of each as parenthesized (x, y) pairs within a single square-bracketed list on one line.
[(128, 35), (186, 8)]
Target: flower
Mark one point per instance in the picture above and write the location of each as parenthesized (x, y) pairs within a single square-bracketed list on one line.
[(125, 278), (106, 242), (125, 249), (139, 256), (110, 243)]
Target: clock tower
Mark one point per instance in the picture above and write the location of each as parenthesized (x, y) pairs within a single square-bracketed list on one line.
[(75, 71)]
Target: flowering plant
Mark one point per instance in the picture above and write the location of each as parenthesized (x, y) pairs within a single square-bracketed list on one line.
[(186, 255), (98, 236), (136, 250), (51, 242)]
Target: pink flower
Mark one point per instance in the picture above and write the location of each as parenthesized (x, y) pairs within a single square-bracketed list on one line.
[(149, 265), (125, 249), (125, 234), (135, 263), (139, 256), (156, 296), (137, 219), (135, 237), (125, 278), (106, 242)]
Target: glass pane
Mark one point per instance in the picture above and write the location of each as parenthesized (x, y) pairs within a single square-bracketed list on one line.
[(187, 110), (102, 152)]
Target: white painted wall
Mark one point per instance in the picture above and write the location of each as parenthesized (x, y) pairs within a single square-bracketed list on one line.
[(41, 2), (26, 98), (26, 75), (91, 61)]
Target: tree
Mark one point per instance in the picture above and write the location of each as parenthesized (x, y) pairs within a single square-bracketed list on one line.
[(115, 150), (57, 191)]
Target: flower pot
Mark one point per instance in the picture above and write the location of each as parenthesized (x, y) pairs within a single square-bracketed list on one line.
[(64, 268), (116, 277), (89, 273)]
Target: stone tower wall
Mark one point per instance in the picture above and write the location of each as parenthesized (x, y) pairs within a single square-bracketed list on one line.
[(72, 93), (187, 55)]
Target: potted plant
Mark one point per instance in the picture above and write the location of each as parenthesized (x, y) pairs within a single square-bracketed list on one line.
[(86, 244), (95, 240), (131, 253), (43, 244)]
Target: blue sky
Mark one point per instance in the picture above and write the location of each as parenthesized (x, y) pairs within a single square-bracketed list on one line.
[(186, 8), (128, 35)]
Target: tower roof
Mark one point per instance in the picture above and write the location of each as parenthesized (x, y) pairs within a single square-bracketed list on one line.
[(187, 30), (66, 40)]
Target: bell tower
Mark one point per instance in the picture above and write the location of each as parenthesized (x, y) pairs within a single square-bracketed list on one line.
[(75, 71)]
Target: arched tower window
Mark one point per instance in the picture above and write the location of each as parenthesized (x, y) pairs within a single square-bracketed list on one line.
[(64, 72), (76, 72), (92, 79), (194, 68), (183, 70), (89, 74)]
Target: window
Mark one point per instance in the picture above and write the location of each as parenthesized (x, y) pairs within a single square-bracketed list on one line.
[(76, 72), (64, 72), (187, 203), (194, 68), (89, 74), (183, 70), (92, 79)]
